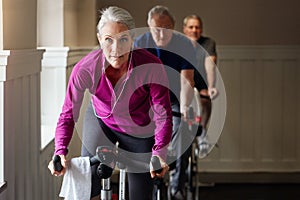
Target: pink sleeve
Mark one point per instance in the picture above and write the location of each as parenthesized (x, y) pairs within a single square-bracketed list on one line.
[(79, 81), (162, 110)]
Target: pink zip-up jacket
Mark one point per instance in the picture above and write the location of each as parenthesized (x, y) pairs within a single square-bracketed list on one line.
[(138, 105)]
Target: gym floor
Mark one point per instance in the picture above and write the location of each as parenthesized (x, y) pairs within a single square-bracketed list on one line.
[(245, 191), (250, 192)]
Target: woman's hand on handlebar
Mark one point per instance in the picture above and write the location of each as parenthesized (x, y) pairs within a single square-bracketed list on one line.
[(213, 93), (159, 173), (63, 162)]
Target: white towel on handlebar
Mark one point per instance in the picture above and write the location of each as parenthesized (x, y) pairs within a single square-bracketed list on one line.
[(76, 183)]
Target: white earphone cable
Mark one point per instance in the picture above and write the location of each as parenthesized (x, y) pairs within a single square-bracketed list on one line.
[(118, 97)]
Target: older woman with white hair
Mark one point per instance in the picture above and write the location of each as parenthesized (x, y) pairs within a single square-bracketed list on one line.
[(129, 104)]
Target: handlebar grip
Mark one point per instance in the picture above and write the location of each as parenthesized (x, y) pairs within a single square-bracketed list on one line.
[(57, 163), (156, 164), (94, 160)]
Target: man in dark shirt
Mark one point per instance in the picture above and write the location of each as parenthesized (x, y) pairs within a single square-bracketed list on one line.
[(206, 60), (178, 55)]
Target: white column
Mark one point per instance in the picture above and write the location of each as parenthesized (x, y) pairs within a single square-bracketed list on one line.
[(3, 63), (1, 25), (53, 89), (50, 23)]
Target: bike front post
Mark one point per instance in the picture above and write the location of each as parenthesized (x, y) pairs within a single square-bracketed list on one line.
[(106, 191)]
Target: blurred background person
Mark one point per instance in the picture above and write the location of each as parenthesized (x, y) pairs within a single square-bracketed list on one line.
[(206, 66), (178, 55)]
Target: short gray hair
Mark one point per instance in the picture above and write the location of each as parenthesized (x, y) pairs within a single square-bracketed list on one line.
[(115, 14), (193, 16), (160, 10)]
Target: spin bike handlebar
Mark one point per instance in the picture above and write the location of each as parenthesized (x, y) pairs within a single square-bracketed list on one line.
[(107, 157)]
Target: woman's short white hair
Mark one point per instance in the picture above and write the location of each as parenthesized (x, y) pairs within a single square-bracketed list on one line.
[(115, 14)]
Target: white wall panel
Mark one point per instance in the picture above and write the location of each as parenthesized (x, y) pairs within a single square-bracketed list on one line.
[(261, 131), (21, 94)]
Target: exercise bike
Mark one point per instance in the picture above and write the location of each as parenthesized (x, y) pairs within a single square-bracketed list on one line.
[(108, 158)]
